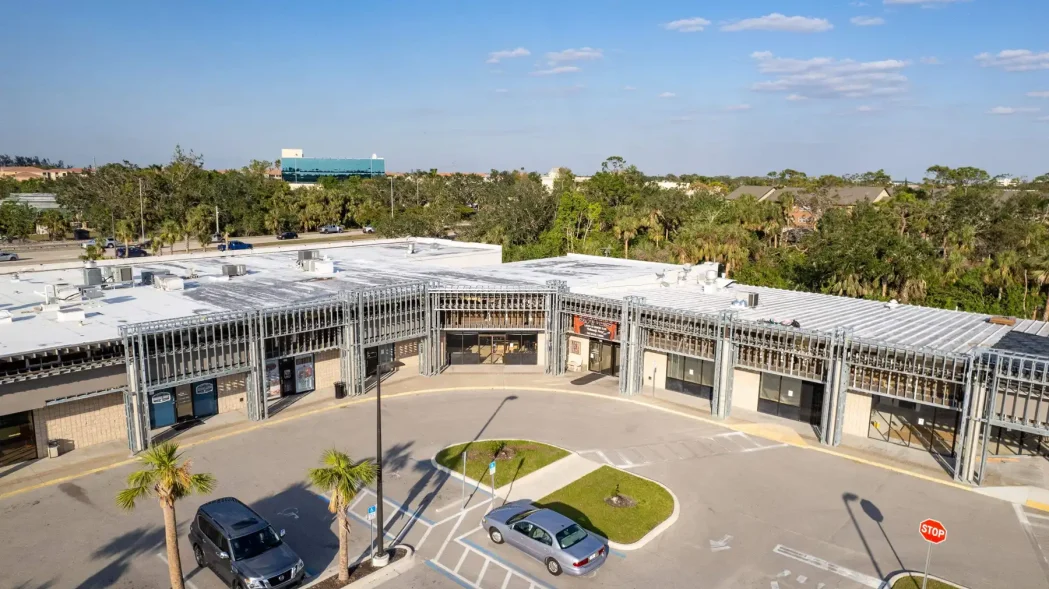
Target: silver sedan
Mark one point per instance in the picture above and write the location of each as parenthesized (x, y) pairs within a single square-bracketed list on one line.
[(8, 256), (547, 536)]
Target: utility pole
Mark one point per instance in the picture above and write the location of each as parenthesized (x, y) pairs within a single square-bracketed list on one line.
[(141, 211), (217, 219)]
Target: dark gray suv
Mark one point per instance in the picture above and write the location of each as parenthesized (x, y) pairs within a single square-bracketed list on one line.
[(241, 548)]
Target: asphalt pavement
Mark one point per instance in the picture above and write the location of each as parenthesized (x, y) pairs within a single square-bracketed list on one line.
[(754, 513)]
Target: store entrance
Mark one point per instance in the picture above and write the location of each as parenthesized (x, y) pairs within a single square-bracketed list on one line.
[(17, 442), (910, 424), (604, 357), (798, 400)]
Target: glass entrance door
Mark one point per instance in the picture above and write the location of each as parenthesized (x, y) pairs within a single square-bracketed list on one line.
[(492, 348), (17, 442), (604, 357)]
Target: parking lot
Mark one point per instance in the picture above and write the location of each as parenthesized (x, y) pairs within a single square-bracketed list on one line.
[(754, 513)]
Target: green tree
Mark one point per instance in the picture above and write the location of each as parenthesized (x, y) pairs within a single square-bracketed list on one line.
[(17, 220), (170, 232), (93, 252), (125, 232), (341, 478), (54, 222), (168, 478), (198, 226)]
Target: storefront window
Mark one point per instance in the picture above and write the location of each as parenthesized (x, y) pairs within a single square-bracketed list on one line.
[(690, 375), (914, 425), (791, 398), (304, 374), (492, 348)]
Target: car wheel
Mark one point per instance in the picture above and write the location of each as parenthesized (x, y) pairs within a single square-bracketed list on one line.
[(198, 556), (495, 535), (553, 566)]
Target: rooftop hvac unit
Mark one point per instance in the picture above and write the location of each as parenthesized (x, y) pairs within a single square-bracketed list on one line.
[(752, 299), (149, 276), (93, 276), (90, 293), (169, 283), (67, 314), (234, 269), (122, 274), (308, 255)]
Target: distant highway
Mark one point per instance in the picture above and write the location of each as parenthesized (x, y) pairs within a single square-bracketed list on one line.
[(71, 251)]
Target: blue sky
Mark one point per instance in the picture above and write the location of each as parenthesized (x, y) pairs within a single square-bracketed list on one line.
[(674, 87)]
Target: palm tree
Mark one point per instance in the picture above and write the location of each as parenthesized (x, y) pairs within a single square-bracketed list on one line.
[(170, 232), (626, 227), (125, 232), (167, 478), (93, 252), (54, 222), (342, 478)]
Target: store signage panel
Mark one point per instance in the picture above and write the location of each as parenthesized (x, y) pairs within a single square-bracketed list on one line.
[(591, 327)]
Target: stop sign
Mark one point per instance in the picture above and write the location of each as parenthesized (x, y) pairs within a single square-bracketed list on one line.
[(933, 531)]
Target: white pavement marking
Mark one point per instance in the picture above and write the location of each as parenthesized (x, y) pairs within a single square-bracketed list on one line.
[(774, 585), (484, 569), (722, 544), (802, 578), (603, 457), (356, 501), (462, 514), (626, 461), (1025, 523), (760, 448), (865, 580), (506, 579), (165, 559), (1021, 515), (461, 559)]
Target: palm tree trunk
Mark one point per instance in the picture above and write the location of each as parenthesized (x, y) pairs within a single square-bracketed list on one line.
[(187, 243), (171, 539), (344, 546), (1027, 287), (626, 248)]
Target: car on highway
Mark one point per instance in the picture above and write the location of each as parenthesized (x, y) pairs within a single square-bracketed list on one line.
[(235, 245), (288, 235), (8, 256), (547, 536), (103, 242), (331, 229), (131, 252), (368, 229), (241, 548), (216, 238)]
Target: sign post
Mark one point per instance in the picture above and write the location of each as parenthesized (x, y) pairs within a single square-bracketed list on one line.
[(371, 527), (934, 533), (491, 471)]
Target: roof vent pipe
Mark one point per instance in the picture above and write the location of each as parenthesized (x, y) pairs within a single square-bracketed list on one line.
[(411, 247)]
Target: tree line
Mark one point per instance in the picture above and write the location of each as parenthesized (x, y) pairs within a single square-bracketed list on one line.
[(953, 239)]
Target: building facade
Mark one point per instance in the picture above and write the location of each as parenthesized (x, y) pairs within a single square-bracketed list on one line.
[(955, 384), (296, 169)]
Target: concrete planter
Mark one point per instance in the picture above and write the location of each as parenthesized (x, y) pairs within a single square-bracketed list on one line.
[(918, 575), (390, 571)]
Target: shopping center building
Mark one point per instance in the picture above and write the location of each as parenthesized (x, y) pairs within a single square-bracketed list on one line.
[(127, 352)]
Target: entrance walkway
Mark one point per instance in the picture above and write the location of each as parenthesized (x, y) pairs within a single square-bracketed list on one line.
[(759, 429)]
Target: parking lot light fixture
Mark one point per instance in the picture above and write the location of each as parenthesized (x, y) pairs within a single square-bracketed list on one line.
[(381, 558)]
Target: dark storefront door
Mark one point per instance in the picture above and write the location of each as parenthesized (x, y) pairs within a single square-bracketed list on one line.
[(373, 355), (783, 397), (604, 357), (17, 442), (183, 402), (162, 408), (205, 398), (287, 376)]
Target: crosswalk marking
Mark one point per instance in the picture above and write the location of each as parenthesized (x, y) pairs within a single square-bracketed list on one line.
[(684, 449)]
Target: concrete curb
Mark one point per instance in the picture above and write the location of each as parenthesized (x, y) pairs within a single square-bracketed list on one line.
[(390, 571), (916, 574), (659, 529)]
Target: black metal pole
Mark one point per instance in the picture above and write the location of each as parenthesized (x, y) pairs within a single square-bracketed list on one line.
[(379, 533)]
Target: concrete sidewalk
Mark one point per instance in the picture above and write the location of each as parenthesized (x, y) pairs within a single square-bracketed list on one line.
[(83, 461), (548, 479)]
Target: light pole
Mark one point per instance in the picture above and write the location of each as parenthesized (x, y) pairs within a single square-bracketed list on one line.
[(381, 558)]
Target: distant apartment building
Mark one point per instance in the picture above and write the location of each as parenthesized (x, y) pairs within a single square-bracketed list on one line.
[(22, 173), (297, 170), (803, 217)]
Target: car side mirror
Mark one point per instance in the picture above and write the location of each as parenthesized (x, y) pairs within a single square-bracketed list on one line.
[(282, 533), (224, 555)]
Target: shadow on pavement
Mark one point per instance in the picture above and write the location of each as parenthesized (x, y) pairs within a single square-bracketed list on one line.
[(875, 514), (589, 378), (573, 514), (123, 549), (304, 515)]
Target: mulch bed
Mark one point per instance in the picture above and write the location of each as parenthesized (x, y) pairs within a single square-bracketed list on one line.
[(506, 453), (359, 571), (620, 501)]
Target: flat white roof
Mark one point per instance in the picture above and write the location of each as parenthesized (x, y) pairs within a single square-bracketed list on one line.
[(274, 279)]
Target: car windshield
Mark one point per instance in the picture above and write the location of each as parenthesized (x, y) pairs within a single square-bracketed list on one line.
[(570, 536), (520, 516), (254, 543)]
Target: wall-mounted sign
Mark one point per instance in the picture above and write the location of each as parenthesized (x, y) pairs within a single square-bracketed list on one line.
[(575, 348), (304, 374), (591, 327), (272, 379), (204, 388)]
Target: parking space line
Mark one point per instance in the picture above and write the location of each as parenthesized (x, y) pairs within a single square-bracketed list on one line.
[(518, 571), (484, 569), (444, 545), (462, 558), (626, 461), (506, 579), (603, 457), (187, 583), (447, 573), (760, 448), (830, 567)]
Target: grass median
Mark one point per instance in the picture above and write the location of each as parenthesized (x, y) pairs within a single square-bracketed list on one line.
[(513, 459), (643, 506), (914, 581)]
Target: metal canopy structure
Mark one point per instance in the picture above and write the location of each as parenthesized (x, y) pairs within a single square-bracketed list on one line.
[(990, 388)]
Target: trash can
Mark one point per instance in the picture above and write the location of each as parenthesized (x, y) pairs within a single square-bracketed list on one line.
[(340, 390), (52, 449)]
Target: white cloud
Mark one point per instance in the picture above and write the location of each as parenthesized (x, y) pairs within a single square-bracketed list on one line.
[(561, 69), (796, 97), (867, 108), (1015, 60), (687, 25), (581, 54), (780, 22), (737, 107), (1039, 94), (930, 60), (857, 3), (629, 88), (497, 56), (667, 95), (501, 90), (867, 21), (825, 77), (1011, 110)]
